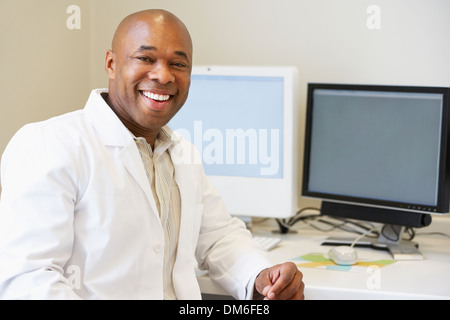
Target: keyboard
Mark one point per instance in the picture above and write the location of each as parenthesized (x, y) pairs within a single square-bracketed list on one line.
[(267, 243)]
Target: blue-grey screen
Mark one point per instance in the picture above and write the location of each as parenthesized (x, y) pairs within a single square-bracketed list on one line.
[(236, 123), (377, 145)]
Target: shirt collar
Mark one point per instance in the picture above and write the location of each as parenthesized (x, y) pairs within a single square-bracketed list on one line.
[(163, 140)]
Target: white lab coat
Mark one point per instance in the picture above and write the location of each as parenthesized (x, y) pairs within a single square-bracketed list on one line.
[(78, 219)]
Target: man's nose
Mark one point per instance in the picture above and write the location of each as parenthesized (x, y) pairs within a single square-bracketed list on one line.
[(162, 73)]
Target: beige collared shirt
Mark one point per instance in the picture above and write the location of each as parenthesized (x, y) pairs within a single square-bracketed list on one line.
[(161, 175)]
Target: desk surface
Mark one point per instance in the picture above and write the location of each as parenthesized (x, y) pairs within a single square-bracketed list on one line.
[(426, 279)]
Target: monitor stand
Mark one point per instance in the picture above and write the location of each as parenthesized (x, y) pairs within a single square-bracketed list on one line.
[(390, 240)]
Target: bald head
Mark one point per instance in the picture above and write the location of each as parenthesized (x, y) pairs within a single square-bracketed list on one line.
[(155, 18)]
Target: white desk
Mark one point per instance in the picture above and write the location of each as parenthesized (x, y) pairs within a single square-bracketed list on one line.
[(427, 279)]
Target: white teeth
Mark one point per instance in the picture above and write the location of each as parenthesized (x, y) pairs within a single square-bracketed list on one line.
[(157, 97)]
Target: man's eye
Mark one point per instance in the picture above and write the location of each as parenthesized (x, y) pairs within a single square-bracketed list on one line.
[(180, 65), (145, 59)]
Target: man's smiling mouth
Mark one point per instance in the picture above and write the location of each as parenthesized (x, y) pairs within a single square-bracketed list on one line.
[(155, 96)]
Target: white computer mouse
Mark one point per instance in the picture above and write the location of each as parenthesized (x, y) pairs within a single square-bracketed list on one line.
[(343, 255)]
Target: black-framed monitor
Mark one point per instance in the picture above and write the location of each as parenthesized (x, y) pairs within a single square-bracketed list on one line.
[(378, 152)]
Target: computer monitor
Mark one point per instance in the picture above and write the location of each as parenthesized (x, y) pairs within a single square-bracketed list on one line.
[(244, 121), (378, 153)]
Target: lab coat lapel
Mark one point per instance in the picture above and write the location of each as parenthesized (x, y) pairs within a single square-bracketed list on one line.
[(187, 177), (187, 166), (131, 159), (184, 179), (113, 134)]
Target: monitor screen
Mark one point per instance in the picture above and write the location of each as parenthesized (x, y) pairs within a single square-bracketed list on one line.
[(243, 122), (378, 145), (236, 122)]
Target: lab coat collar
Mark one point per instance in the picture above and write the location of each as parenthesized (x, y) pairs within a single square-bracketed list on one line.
[(109, 127)]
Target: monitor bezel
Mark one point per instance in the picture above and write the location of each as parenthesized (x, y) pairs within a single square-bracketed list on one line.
[(443, 195)]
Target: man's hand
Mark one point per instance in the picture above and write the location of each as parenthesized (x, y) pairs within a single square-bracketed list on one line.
[(281, 282)]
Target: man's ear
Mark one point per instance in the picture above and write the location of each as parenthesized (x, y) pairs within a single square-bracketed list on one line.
[(110, 63)]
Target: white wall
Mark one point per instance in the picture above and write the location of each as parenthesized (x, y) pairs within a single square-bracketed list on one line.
[(47, 69)]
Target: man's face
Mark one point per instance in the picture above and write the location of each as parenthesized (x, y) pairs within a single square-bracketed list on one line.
[(149, 73)]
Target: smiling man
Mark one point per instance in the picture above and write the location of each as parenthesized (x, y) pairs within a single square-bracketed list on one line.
[(100, 203)]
